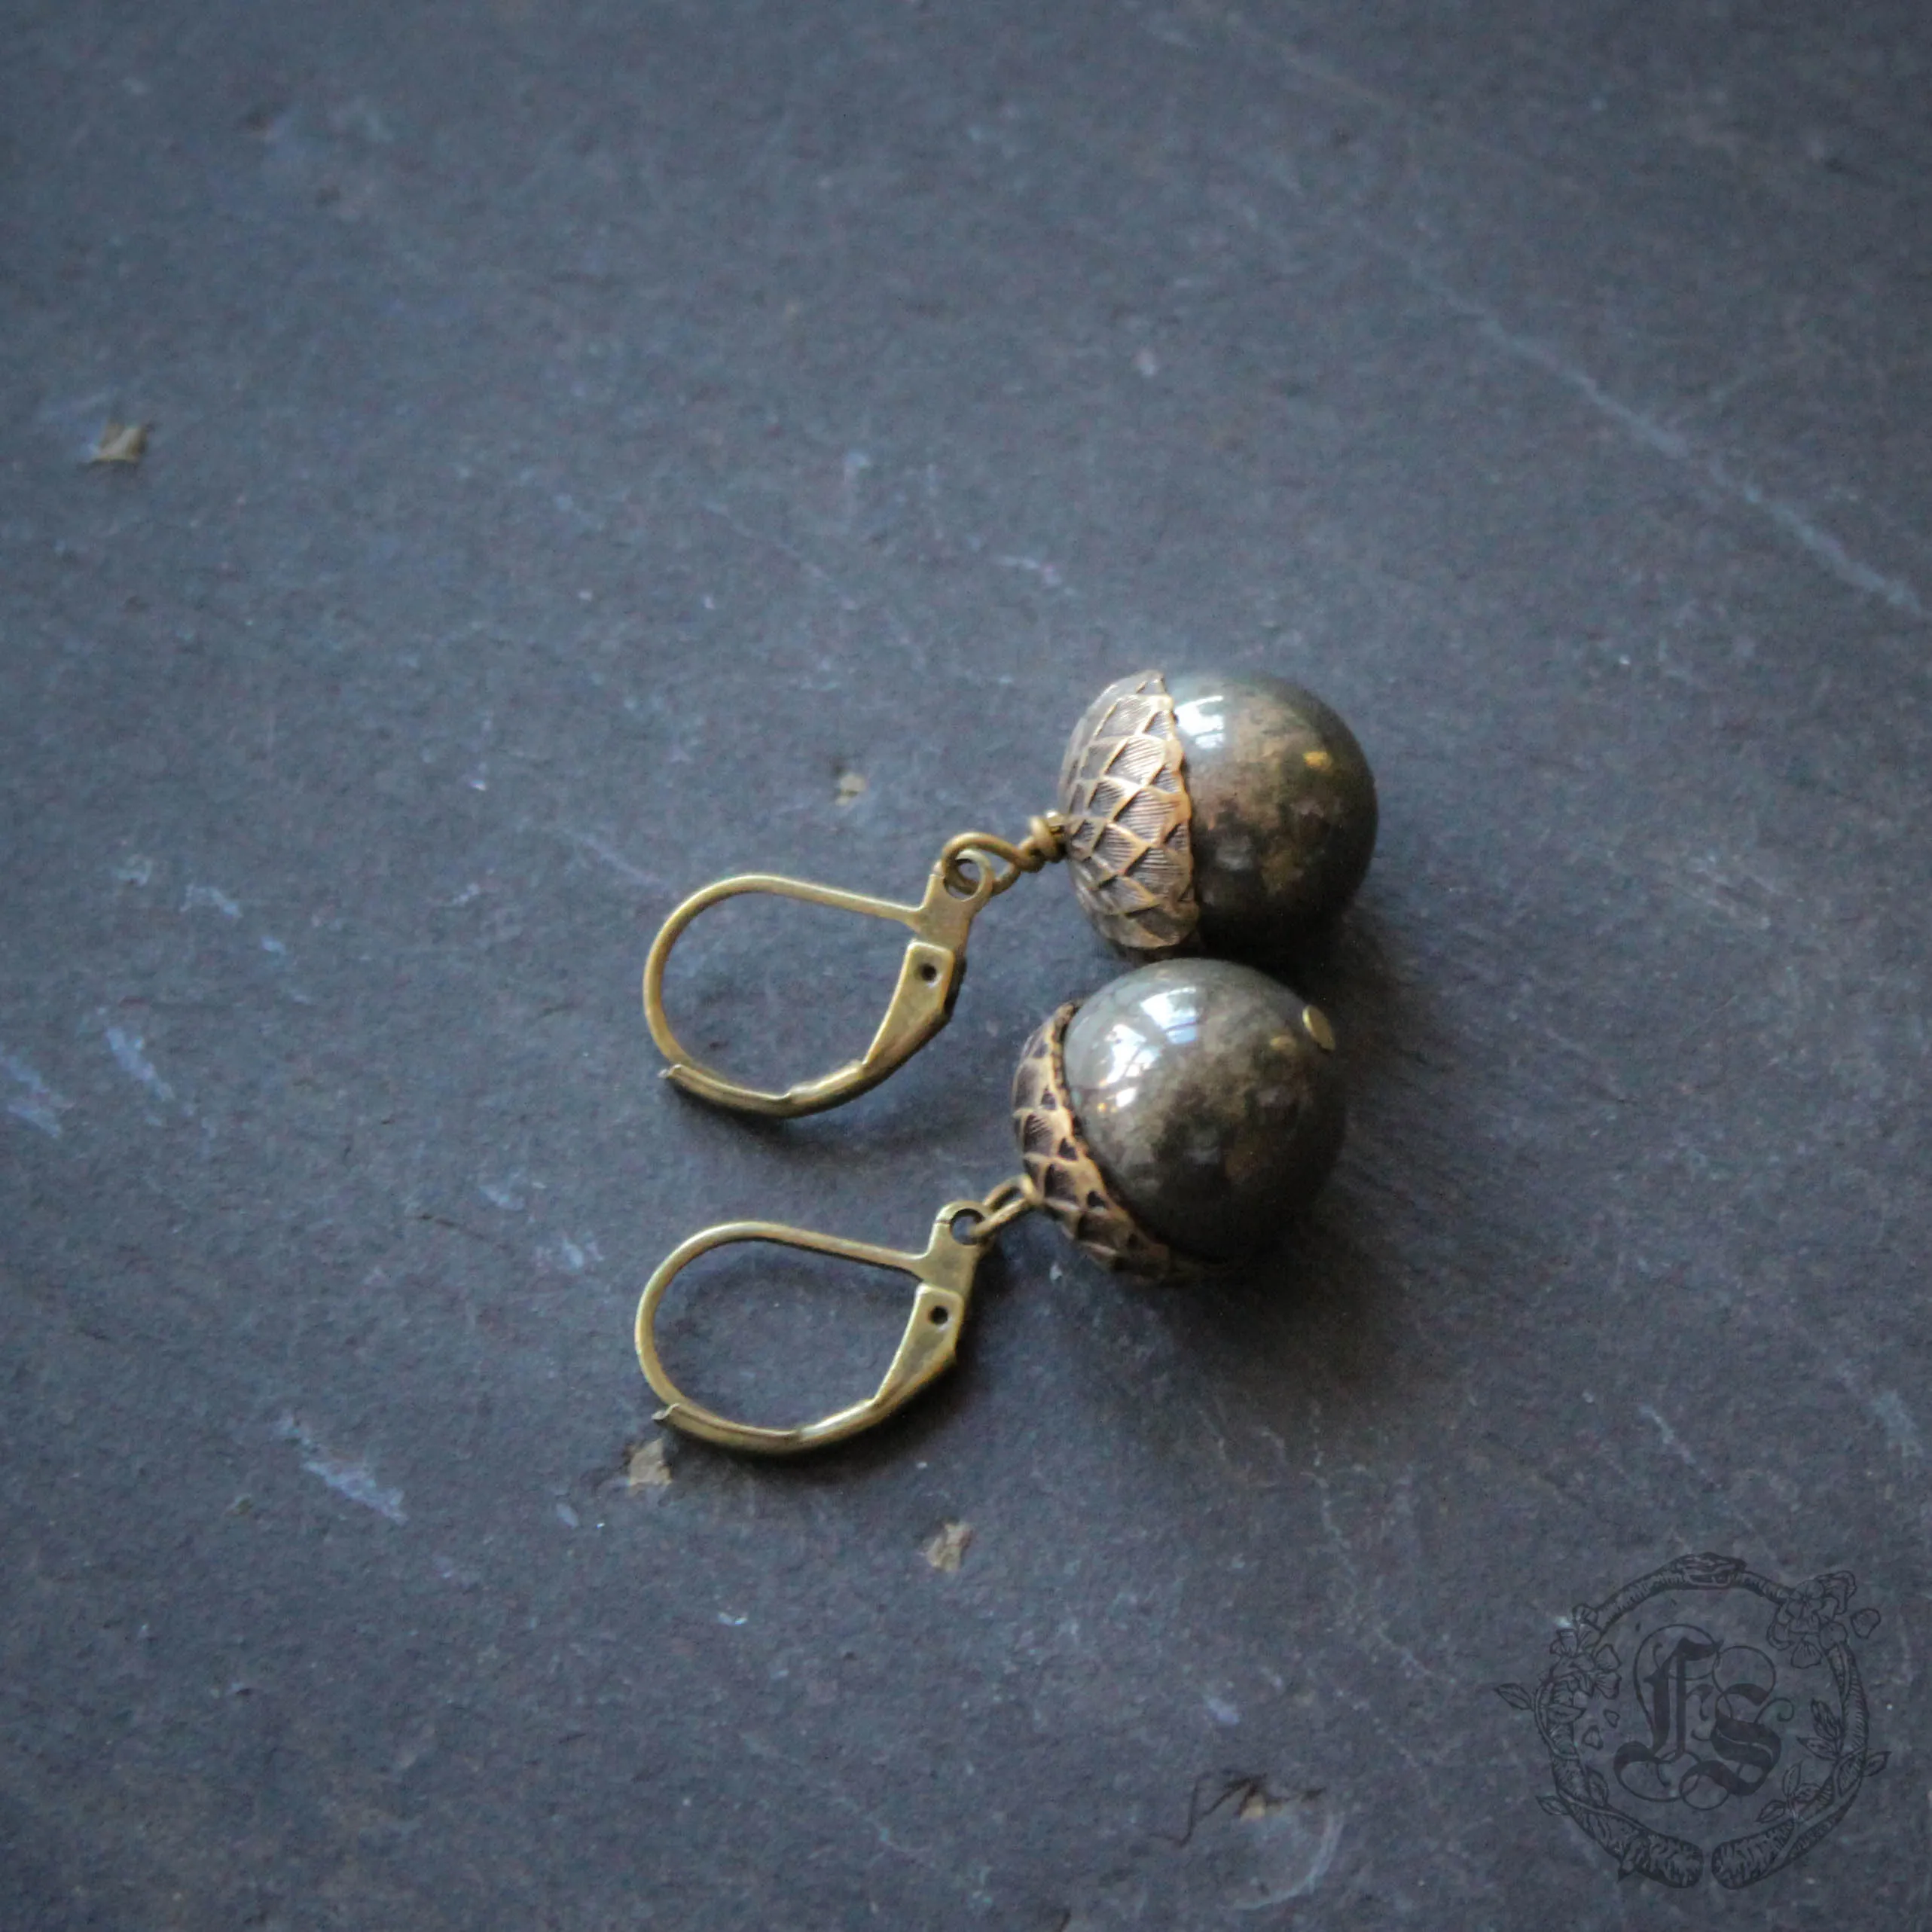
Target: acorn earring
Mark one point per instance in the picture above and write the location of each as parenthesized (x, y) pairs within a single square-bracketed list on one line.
[(1230, 814), (1173, 1125)]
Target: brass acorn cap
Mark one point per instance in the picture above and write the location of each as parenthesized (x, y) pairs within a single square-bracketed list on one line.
[(1125, 801), (1071, 1187)]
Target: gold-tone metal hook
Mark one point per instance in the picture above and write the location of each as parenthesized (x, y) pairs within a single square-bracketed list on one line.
[(943, 1270), (974, 868)]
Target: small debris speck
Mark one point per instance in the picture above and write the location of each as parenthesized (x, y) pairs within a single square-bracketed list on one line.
[(848, 787), (945, 1548), (646, 1468), (120, 443), (1147, 362)]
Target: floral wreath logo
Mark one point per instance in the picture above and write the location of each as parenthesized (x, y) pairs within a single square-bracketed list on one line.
[(1700, 1720)]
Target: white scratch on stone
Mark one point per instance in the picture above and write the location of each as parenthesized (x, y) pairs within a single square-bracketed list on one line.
[(1787, 518), (857, 463), (353, 1480), (1900, 1430), (829, 1788), (1047, 573), (212, 897), (127, 1049), (1888, 1408), (1360, 1610), (39, 1106), (847, 602), (356, 1481), (1679, 1447), (1672, 1441), (601, 848), (572, 1257)]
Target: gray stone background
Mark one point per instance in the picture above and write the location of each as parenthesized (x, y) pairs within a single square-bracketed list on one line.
[(588, 438)]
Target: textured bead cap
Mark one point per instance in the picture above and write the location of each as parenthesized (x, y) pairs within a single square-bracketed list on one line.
[(1125, 797), (1072, 1187)]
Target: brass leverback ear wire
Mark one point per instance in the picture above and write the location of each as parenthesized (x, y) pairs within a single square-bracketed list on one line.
[(974, 868), (944, 1269)]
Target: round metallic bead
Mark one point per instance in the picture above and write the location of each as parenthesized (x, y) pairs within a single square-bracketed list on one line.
[(1181, 1118), (1232, 813)]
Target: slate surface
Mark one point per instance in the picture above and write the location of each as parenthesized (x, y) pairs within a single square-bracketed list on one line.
[(587, 439)]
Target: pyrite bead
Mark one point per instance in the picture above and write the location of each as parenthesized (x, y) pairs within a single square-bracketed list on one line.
[(1181, 1117), (1230, 812)]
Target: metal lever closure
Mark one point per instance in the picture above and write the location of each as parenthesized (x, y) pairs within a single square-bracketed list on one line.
[(965, 878), (943, 1270)]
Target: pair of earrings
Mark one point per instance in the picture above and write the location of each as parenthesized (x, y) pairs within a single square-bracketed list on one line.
[(1176, 1122)]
